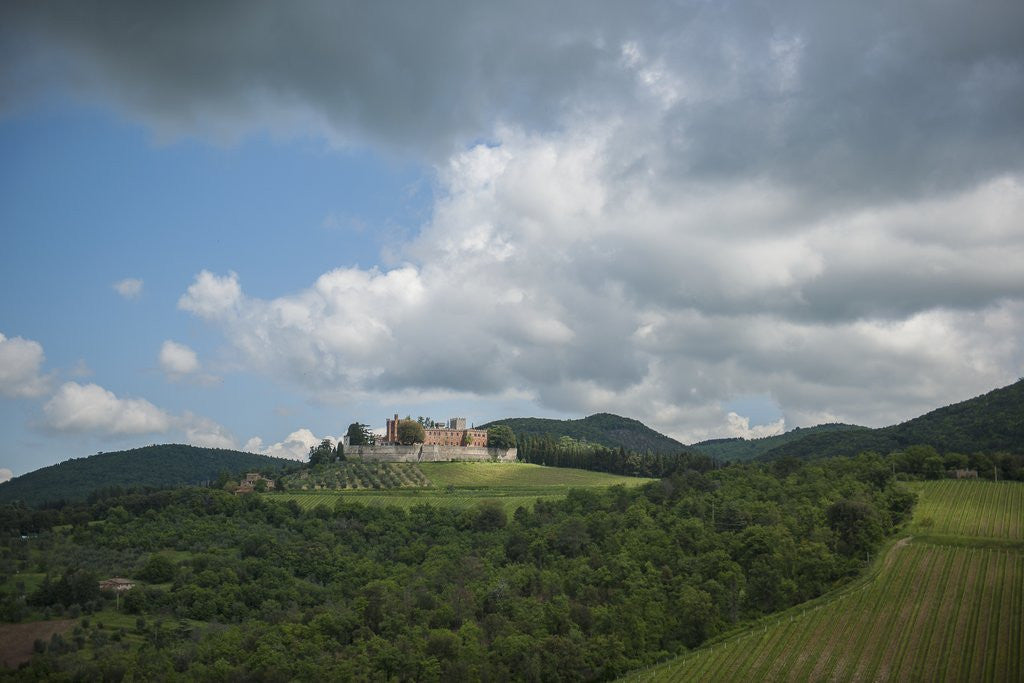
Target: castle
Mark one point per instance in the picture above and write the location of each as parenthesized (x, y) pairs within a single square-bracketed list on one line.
[(454, 433)]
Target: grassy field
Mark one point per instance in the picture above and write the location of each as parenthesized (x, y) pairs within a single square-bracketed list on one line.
[(519, 475), (463, 484), (939, 606)]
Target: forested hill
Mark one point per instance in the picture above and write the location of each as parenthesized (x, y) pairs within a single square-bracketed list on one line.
[(737, 449), (988, 423), (605, 429), (160, 466)]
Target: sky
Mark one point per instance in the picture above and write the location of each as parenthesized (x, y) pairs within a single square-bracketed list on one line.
[(249, 224)]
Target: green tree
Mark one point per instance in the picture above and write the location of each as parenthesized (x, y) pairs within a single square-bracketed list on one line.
[(321, 454), (410, 432), (158, 569), (358, 434), (501, 436)]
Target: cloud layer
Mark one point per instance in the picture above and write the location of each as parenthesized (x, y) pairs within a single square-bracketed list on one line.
[(647, 208), (544, 273)]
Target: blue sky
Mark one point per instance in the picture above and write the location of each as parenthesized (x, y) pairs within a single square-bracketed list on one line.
[(248, 226)]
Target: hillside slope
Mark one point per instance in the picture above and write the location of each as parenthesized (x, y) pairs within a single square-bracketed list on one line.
[(987, 423), (737, 449), (940, 604), (162, 466), (606, 429)]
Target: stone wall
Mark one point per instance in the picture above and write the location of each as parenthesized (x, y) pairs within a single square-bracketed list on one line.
[(423, 453)]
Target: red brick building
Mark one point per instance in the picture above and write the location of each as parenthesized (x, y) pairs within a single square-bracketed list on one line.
[(453, 434)]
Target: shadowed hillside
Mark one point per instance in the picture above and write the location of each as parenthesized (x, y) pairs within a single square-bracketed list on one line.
[(605, 429), (160, 466), (988, 423), (748, 449)]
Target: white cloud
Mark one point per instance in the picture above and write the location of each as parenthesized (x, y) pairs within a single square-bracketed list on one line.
[(5, 475), (20, 364), (295, 446), (552, 266), (202, 431), (91, 408), (740, 426), (210, 295), (177, 359), (129, 288)]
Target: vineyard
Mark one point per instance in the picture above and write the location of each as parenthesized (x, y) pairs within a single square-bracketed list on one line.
[(972, 509), (359, 475), (929, 610), (445, 484)]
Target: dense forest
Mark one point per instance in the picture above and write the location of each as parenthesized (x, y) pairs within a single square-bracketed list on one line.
[(155, 466), (586, 588), (990, 423), (586, 455), (604, 429)]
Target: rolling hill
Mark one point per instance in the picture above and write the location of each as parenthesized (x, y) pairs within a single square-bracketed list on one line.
[(737, 449), (605, 429), (987, 423), (160, 466)]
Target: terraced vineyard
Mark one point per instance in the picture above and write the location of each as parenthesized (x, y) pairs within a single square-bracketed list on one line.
[(452, 484), (945, 606), (359, 475)]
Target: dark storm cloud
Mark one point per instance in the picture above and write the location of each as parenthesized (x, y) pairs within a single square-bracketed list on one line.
[(863, 98)]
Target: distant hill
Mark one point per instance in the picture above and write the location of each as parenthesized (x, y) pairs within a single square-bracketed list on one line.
[(606, 429), (160, 466), (737, 449), (988, 423)]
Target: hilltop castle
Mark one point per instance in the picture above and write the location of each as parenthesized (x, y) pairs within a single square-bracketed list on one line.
[(454, 433)]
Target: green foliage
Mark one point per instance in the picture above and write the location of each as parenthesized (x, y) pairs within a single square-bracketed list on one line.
[(410, 432), (991, 423), (357, 475), (937, 606), (157, 569), (586, 587), (501, 436), (323, 453), (605, 429), (359, 435), (108, 474), (568, 452), (738, 450)]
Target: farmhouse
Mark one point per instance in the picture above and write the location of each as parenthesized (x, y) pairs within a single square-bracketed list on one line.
[(454, 433), (248, 485), (117, 584)]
